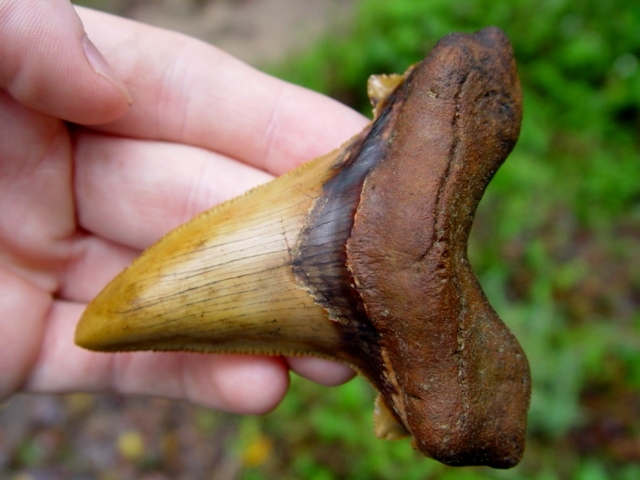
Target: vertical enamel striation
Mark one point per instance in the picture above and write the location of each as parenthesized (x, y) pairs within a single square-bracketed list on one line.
[(320, 260)]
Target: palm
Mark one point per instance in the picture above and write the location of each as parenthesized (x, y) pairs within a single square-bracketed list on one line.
[(79, 203)]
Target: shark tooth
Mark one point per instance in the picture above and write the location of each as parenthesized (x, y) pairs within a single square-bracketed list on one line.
[(360, 256)]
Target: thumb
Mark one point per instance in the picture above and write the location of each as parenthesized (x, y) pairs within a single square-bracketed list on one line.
[(48, 63)]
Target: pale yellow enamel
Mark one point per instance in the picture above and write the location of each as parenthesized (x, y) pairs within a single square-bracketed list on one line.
[(222, 282)]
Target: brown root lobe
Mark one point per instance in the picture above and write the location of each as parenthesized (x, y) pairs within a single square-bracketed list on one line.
[(425, 334)]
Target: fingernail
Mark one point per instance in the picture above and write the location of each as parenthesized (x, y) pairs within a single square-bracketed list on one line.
[(102, 67)]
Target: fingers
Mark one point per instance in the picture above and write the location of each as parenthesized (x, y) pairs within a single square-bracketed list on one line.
[(189, 92), (50, 65), (22, 308), (242, 384), (134, 191), (91, 264), (234, 383), (324, 372), (37, 215)]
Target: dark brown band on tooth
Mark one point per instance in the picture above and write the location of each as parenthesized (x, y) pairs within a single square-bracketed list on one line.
[(320, 258)]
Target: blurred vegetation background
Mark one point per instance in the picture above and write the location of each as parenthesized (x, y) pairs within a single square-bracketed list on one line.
[(554, 245)]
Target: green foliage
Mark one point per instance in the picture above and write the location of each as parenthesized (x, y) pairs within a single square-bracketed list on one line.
[(555, 238), (322, 433)]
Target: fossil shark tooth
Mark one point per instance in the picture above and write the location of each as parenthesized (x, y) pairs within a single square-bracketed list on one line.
[(360, 256)]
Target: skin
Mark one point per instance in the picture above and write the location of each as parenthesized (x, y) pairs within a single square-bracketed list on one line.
[(98, 161)]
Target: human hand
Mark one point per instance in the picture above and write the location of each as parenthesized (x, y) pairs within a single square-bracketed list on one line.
[(80, 202)]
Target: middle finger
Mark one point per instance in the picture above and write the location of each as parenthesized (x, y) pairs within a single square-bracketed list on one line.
[(134, 191)]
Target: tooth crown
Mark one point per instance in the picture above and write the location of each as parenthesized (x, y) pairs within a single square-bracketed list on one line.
[(360, 256), (218, 283)]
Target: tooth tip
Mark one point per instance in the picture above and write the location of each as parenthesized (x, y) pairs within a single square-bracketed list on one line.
[(90, 331), (87, 335)]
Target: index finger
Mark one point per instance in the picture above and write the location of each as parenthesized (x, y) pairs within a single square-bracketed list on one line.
[(190, 92)]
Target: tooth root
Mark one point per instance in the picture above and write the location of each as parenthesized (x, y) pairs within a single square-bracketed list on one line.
[(217, 285)]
